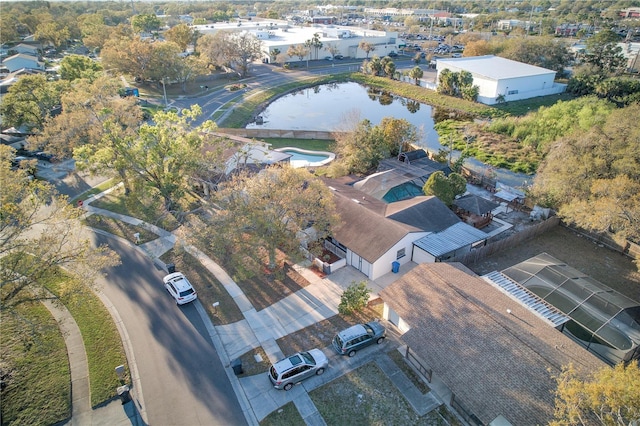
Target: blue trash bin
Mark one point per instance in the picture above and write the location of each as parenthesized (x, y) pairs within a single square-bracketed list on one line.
[(395, 267)]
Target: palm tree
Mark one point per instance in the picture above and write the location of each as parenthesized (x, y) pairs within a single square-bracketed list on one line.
[(416, 73)]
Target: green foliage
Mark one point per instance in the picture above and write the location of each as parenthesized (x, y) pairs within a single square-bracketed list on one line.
[(609, 397), (145, 23), (361, 149), (458, 84), (540, 129), (30, 101), (446, 188), (593, 177), (35, 361), (270, 211), (101, 339), (354, 298), (73, 67)]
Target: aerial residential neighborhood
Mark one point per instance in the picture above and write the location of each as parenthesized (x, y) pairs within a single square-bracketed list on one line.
[(320, 213)]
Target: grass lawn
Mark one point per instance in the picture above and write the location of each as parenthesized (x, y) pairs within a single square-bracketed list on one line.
[(367, 396), (119, 228), (101, 338), (209, 289), (287, 415), (95, 190), (311, 144), (148, 210), (35, 368)]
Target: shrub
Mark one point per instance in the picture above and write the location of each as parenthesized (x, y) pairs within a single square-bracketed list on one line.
[(354, 298)]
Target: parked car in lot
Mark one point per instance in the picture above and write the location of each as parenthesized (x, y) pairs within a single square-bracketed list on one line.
[(180, 288), (354, 338), (392, 54), (328, 58), (291, 370), (339, 57)]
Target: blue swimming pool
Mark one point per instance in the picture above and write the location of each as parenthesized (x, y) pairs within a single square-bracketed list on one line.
[(311, 158), (305, 158)]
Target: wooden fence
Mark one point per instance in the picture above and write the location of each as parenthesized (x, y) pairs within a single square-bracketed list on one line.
[(481, 253)]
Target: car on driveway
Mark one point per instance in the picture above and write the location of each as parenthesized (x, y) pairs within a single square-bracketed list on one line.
[(295, 368), (354, 338), (180, 288)]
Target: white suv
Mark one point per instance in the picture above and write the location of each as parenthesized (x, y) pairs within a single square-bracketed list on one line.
[(180, 288), (291, 370)]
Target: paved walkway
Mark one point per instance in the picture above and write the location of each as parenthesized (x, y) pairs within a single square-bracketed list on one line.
[(314, 303)]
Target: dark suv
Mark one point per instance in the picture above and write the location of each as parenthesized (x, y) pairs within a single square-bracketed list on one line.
[(348, 341)]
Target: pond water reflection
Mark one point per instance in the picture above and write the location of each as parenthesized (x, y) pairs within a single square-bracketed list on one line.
[(332, 107)]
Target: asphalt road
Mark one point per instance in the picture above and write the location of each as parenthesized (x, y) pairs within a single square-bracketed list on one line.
[(183, 380)]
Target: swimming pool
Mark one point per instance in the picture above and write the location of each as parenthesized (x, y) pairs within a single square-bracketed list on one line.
[(306, 158)]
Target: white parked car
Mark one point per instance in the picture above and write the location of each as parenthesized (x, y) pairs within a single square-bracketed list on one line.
[(180, 288), (291, 370)]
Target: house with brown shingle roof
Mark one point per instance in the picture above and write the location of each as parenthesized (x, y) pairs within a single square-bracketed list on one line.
[(373, 235), (496, 357)]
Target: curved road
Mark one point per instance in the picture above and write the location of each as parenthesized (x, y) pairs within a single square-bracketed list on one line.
[(183, 380)]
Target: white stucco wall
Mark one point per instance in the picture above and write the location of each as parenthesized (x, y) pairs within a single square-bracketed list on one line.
[(421, 256), (524, 86), (384, 264)]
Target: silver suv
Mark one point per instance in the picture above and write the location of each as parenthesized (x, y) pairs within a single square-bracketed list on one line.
[(291, 370), (348, 341)]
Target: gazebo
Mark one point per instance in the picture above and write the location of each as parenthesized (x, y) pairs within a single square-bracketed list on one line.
[(475, 210)]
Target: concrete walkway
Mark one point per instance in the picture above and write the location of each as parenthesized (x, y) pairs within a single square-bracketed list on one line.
[(316, 302)]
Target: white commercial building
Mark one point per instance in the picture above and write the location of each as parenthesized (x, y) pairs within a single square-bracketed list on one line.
[(498, 77), (280, 35)]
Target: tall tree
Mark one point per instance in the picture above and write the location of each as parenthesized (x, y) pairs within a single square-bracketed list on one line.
[(40, 232), (272, 210), (366, 47), (593, 178), (416, 73), (446, 188), (604, 53), (182, 34), (611, 396), (160, 158), (73, 67), (236, 50), (86, 109), (52, 32), (30, 101), (129, 56), (298, 50), (314, 43), (145, 23)]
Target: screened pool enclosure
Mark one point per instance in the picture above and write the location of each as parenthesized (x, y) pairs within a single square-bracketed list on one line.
[(599, 318)]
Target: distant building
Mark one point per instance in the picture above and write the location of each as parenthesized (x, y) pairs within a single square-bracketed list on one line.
[(501, 79), (276, 34), (21, 60), (630, 12)]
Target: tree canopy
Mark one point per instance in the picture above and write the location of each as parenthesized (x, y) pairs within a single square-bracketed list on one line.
[(159, 158), (40, 232), (30, 101), (361, 149), (231, 49), (73, 67), (593, 177), (610, 397), (271, 210), (446, 188)]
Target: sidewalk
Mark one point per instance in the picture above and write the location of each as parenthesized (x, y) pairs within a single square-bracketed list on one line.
[(314, 303)]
